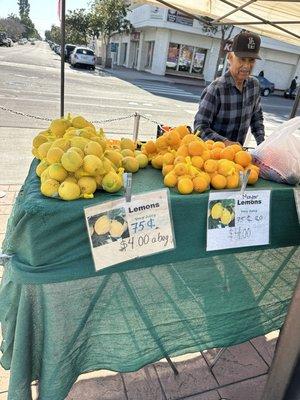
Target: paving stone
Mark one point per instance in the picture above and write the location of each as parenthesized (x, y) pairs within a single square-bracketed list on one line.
[(236, 363), (265, 345), (9, 198), (104, 388), (211, 395), (143, 384), (5, 208), (251, 389), (3, 223), (194, 377)]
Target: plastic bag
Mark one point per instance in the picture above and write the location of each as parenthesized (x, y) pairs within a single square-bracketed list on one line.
[(278, 157)]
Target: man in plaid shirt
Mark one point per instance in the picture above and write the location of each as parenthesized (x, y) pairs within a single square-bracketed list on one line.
[(231, 103)]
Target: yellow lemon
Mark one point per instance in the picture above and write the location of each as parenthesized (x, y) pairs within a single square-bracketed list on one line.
[(71, 160), (170, 180), (59, 126), (185, 185), (112, 182), (54, 155), (225, 217), (93, 165), (142, 159), (130, 164), (57, 172), (50, 187), (41, 167), (93, 148), (79, 122), (127, 144), (69, 191), (87, 184), (217, 211)]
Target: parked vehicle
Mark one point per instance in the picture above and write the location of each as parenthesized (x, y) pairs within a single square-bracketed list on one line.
[(68, 50), (3, 38), (9, 42), (83, 56), (266, 87)]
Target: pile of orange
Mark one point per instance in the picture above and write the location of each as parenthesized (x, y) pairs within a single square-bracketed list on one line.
[(193, 165)]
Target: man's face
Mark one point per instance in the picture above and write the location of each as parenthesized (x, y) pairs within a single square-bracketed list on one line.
[(240, 68)]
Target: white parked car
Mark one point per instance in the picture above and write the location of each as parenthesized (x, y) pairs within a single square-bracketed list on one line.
[(83, 56)]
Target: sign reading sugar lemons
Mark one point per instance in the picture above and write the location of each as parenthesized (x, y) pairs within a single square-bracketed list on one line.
[(236, 219), (123, 230)]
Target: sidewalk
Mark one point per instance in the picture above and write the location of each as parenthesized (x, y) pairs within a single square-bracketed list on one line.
[(240, 373)]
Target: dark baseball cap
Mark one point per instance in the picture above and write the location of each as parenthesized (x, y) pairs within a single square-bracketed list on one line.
[(246, 44)]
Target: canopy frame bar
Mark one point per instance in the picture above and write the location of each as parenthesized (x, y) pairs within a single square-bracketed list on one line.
[(256, 23), (234, 11), (261, 19), (198, 18)]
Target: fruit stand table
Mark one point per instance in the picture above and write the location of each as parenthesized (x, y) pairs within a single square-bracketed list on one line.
[(57, 326)]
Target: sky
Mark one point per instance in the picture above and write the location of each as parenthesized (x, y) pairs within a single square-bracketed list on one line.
[(43, 13)]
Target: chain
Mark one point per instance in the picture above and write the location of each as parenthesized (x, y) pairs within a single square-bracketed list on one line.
[(49, 119), (150, 120), (24, 115)]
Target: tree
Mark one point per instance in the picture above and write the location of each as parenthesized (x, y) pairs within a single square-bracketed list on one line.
[(212, 30), (54, 34), (109, 16), (24, 10), (13, 26), (77, 26)]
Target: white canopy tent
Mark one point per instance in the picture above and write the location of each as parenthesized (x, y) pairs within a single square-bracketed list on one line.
[(276, 19)]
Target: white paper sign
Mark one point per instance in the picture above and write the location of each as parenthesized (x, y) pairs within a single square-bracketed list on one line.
[(238, 220), (120, 231), (297, 201)]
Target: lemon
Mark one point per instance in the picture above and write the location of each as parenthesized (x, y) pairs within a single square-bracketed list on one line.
[(57, 172), (41, 167), (142, 160), (79, 122), (127, 153), (114, 156), (50, 187), (170, 180), (93, 165), (69, 191), (59, 126), (79, 151), (54, 155), (101, 141), (45, 175), (216, 211), (102, 225), (43, 150), (93, 148), (130, 164), (225, 217), (127, 144), (62, 143), (112, 182), (71, 160), (87, 184), (116, 229), (78, 141), (40, 139)]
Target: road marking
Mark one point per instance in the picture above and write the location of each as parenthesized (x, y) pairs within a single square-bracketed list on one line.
[(91, 105)]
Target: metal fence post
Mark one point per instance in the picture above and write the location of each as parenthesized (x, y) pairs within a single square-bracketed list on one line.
[(136, 125)]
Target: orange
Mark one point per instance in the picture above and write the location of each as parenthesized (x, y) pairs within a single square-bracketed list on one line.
[(167, 168), (219, 144), (239, 168), (197, 161), (243, 158), (215, 153), (173, 139), (233, 181), (210, 165), (206, 176), (182, 130), (236, 147), (209, 146), (182, 151), (189, 138), (185, 186), (218, 181), (226, 167), (200, 184), (179, 159), (195, 148), (253, 177), (181, 169), (168, 158), (150, 147), (253, 166), (209, 141), (161, 143), (206, 155), (170, 180), (227, 153)]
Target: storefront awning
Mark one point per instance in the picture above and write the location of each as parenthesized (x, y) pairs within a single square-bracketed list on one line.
[(276, 19)]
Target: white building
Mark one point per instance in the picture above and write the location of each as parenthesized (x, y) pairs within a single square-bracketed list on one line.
[(167, 42)]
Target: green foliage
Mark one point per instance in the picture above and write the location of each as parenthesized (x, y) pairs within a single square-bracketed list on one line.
[(13, 26), (77, 26), (24, 8), (54, 34)]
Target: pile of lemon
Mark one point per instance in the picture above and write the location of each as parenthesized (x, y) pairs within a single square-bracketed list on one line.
[(76, 159), (194, 165)]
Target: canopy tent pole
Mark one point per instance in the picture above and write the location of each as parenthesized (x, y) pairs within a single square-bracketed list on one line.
[(295, 105), (62, 58)]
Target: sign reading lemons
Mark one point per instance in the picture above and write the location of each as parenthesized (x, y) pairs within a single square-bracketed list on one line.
[(120, 231), (238, 220)]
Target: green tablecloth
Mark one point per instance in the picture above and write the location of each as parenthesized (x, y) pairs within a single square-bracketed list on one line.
[(49, 242), (133, 314)]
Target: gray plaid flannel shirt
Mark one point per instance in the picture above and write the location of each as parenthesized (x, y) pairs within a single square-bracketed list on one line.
[(226, 113)]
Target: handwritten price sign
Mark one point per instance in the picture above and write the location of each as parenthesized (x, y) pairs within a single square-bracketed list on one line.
[(120, 231), (238, 220)]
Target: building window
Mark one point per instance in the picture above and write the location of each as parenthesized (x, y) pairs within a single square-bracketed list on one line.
[(124, 53), (150, 50), (185, 59)]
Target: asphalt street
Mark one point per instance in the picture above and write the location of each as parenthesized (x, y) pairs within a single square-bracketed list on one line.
[(30, 84)]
